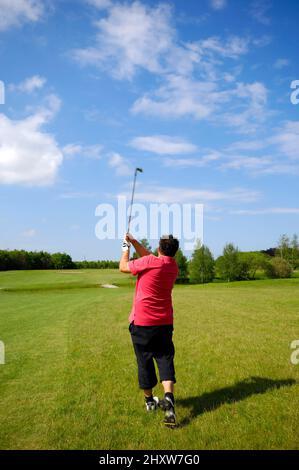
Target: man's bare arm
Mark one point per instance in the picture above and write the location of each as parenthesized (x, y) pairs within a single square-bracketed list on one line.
[(138, 247), (124, 262)]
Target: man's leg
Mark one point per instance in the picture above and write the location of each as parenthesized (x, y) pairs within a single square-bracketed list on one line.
[(146, 375), (168, 386), (164, 356), (167, 404)]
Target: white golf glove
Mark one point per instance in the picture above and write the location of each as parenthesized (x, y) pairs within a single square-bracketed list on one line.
[(125, 245)]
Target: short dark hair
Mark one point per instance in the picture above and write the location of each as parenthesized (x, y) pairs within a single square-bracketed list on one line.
[(168, 245)]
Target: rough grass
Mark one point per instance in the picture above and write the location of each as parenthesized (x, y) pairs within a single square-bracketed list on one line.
[(70, 380)]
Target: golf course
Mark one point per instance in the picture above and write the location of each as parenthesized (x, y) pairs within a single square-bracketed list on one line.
[(70, 378)]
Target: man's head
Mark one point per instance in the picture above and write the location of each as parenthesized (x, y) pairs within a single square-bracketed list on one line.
[(168, 245)]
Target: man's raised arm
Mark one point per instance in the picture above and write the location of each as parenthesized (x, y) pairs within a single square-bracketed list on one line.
[(124, 260), (138, 247)]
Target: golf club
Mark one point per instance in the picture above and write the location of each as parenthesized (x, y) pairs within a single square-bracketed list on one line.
[(140, 170)]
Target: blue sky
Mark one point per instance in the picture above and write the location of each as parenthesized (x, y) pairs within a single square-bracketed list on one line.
[(197, 93)]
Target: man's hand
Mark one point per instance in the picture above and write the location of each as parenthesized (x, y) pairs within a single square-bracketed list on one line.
[(129, 238), (125, 245)]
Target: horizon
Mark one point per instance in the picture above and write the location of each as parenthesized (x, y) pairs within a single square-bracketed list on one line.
[(188, 256), (202, 95)]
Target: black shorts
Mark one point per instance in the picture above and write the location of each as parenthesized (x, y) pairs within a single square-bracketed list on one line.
[(153, 342)]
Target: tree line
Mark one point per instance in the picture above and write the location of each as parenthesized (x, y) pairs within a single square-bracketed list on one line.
[(232, 265), (21, 259)]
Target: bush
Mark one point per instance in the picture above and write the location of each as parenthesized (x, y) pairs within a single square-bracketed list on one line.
[(105, 264), (249, 263), (295, 263), (277, 268)]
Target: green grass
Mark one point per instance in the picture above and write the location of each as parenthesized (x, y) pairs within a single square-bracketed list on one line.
[(70, 379)]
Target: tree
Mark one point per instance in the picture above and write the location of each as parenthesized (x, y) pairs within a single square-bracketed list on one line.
[(295, 251), (40, 260), (182, 263), (202, 265), (62, 261), (284, 246), (269, 252), (144, 242), (228, 265), (4, 260), (250, 262), (278, 267)]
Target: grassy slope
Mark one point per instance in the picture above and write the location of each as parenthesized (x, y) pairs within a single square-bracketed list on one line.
[(70, 375)]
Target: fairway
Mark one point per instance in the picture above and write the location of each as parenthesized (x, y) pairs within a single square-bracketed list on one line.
[(70, 378)]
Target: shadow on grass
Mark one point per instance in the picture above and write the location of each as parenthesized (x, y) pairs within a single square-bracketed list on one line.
[(239, 391)]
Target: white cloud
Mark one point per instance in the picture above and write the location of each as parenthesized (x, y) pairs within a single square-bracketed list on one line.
[(218, 4), (269, 211), (184, 162), (233, 47), (287, 139), (119, 163), (164, 194), (31, 232), (282, 156), (262, 41), (246, 145), (256, 93), (132, 36), (248, 163), (259, 11), (194, 76), (77, 195), (250, 108), (29, 85), (280, 169), (181, 96), (71, 150), (16, 12), (281, 63), (88, 151), (100, 4), (49, 109), (125, 39), (29, 155), (163, 145), (192, 162)]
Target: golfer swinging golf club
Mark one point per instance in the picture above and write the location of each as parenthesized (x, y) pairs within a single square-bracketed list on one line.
[(151, 318)]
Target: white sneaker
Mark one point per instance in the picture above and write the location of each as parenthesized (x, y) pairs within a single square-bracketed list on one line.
[(167, 405), (152, 405)]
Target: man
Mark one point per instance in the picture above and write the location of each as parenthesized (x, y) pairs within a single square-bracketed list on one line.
[(151, 319)]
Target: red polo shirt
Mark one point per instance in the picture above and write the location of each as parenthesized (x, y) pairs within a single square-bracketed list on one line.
[(152, 300)]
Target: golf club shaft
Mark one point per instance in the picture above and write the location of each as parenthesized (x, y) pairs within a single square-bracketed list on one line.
[(132, 200)]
